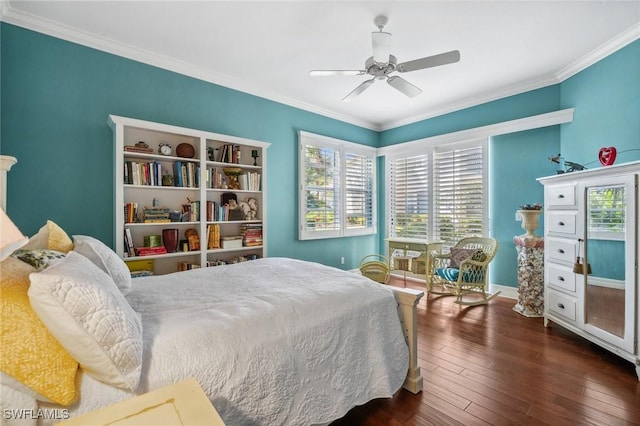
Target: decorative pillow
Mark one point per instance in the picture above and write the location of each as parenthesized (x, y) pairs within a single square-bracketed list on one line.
[(39, 258), (104, 258), (83, 308), (479, 256), (30, 354), (458, 255), (50, 236)]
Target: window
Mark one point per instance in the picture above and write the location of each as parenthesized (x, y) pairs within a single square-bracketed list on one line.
[(439, 192), (337, 188)]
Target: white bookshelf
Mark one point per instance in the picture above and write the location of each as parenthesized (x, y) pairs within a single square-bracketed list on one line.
[(207, 148)]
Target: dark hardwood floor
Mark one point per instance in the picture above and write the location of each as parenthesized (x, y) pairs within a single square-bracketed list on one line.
[(490, 365)]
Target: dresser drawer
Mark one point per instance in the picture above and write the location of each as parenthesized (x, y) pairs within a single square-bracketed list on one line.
[(561, 250), (561, 277), (561, 305), (562, 222), (560, 196)]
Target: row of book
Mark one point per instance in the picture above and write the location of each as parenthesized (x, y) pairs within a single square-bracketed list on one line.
[(251, 234), (228, 153), (186, 174), (131, 250), (216, 179), (130, 212), (218, 212), (156, 214), (249, 181)]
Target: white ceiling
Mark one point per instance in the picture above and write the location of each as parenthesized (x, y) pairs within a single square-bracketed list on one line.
[(268, 48)]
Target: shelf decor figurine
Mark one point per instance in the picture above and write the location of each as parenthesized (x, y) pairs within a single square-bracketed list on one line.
[(232, 174), (254, 155)]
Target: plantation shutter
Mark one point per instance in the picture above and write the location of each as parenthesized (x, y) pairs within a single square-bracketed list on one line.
[(321, 189), (459, 176), (359, 181), (409, 185), (337, 180)]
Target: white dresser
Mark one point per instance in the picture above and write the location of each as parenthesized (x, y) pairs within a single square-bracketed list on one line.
[(593, 215)]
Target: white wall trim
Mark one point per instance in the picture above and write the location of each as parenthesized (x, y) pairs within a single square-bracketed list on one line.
[(55, 29), (602, 52), (527, 123), (505, 291)]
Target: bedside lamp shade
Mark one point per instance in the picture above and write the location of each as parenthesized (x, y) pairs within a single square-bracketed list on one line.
[(10, 236)]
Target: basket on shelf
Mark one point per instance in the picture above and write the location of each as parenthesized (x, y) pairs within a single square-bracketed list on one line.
[(375, 267)]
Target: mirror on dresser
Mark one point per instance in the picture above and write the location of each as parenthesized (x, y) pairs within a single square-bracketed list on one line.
[(608, 270)]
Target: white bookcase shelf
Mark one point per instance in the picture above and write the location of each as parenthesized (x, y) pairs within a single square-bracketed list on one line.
[(138, 180)]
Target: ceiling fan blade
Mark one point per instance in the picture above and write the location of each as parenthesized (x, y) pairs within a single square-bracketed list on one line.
[(361, 88), (381, 43), (404, 86), (322, 73), (430, 61)]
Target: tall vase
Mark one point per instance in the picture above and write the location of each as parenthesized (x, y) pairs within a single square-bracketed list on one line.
[(170, 240), (530, 221)]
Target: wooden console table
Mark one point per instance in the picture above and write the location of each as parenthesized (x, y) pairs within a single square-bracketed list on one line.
[(422, 247)]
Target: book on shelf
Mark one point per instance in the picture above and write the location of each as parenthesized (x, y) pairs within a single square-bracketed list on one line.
[(156, 214), (151, 251), (143, 173), (128, 243), (249, 181), (213, 236), (187, 266), (133, 148), (251, 234), (130, 212)]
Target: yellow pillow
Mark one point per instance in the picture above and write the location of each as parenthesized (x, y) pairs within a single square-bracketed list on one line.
[(51, 237), (28, 352)]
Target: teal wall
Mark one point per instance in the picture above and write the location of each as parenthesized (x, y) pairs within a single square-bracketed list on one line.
[(56, 97), (607, 100), (55, 101)]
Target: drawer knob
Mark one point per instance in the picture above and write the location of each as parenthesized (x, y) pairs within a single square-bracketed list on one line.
[(560, 251), (560, 195), (560, 305), (561, 278), (561, 223)]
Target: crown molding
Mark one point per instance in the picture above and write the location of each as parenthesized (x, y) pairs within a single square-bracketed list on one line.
[(615, 44), (472, 101), (521, 124), (73, 35), (57, 30)]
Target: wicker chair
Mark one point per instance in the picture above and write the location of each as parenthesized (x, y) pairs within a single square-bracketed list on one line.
[(463, 272), (375, 267)]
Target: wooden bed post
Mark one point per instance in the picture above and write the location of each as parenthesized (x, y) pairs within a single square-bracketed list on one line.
[(408, 299)]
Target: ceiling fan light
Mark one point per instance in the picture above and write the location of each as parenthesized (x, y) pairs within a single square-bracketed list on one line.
[(381, 42)]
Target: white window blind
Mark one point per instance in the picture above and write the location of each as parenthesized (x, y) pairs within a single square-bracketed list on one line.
[(359, 189), (438, 193), (459, 193), (409, 184), (337, 188)]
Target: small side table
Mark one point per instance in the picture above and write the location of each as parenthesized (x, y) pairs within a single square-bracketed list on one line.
[(530, 275)]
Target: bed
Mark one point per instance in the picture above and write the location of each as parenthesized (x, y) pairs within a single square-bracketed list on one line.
[(273, 341)]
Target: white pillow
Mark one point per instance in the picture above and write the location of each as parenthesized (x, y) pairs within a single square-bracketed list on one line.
[(104, 258), (84, 310)]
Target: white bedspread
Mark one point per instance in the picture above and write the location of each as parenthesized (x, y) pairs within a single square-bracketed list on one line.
[(272, 342)]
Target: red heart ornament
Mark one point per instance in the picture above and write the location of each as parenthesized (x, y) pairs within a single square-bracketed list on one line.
[(607, 155)]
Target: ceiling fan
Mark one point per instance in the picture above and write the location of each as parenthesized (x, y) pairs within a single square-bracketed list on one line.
[(382, 64)]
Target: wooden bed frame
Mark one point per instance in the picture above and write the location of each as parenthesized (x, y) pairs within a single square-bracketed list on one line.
[(408, 299)]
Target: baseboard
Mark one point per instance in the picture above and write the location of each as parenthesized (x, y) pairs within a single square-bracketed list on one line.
[(505, 291)]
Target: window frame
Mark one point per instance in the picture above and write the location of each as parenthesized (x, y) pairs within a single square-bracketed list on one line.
[(342, 148), (432, 149)]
